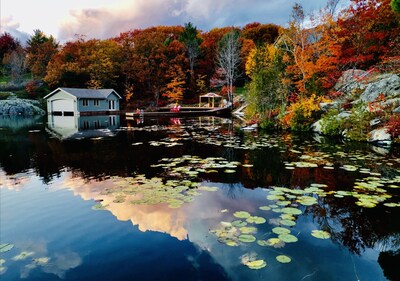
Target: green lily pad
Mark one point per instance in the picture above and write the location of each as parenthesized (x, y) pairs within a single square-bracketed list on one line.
[(239, 223), (275, 242), (280, 230), (288, 238), (265, 208), (256, 220), (257, 264), (229, 171), (291, 211), (246, 238), (274, 197), (307, 200), (263, 243), (98, 207), (23, 255), (283, 259), (321, 234), (287, 222), (242, 214), (232, 243), (6, 247), (248, 229)]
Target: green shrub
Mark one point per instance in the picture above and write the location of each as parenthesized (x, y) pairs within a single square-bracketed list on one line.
[(4, 95), (331, 124), (358, 124)]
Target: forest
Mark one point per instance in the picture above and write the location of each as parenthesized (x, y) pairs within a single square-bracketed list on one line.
[(282, 73)]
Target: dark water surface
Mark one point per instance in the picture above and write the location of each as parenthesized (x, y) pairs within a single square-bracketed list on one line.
[(192, 199)]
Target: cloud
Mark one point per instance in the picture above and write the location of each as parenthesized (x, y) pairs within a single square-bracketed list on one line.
[(12, 27), (107, 22)]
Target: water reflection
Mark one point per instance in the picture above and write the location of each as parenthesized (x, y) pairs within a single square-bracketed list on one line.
[(362, 239), (80, 127), (15, 123)]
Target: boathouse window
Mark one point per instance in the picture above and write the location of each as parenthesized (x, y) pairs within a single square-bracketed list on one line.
[(86, 125), (96, 102), (68, 113), (85, 102), (96, 124)]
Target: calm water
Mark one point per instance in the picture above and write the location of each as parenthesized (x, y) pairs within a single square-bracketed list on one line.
[(192, 199)]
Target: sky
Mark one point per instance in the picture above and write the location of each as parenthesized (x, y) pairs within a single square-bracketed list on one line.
[(64, 19)]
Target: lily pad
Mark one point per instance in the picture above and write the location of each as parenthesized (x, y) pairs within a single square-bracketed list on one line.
[(257, 264), (256, 220), (246, 238), (239, 223), (265, 208), (248, 229), (23, 255), (275, 242), (283, 259), (288, 238), (6, 247), (280, 230), (291, 211), (287, 222), (242, 214), (321, 234)]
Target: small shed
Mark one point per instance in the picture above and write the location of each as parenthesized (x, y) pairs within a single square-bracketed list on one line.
[(77, 101), (210, 99)]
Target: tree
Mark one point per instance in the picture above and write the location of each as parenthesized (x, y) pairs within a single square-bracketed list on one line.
[(14, 63), (261, 34), (189, 37), (370, 31), (228, 60), (40, 50), (80, 63), (174, 90), (395, 4), (7, 45), (266, 92)]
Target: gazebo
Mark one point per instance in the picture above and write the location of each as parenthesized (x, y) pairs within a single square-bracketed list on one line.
[(210, 99)]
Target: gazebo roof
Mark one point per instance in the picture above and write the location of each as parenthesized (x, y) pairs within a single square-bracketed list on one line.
[(211, 95)]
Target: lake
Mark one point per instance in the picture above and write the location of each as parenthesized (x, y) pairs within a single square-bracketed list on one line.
[(105, 198)]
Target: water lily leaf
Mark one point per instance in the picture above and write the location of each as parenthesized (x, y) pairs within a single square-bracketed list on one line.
[(2, 261), (256, 220), (262, 243), (288, 238), (275, 242), (288, 217), (392, 204), (287, 222), (41, 261), (283, 259), (265, 208), (307, 200), (291, 211), (248, 229), (229, 171), (247, 165), (280, 230), (242, 214), (274, 197), (321, 234), (239, 223), (232, 243), (257, 264), (246, 238), (6, 247), (23, 255)]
